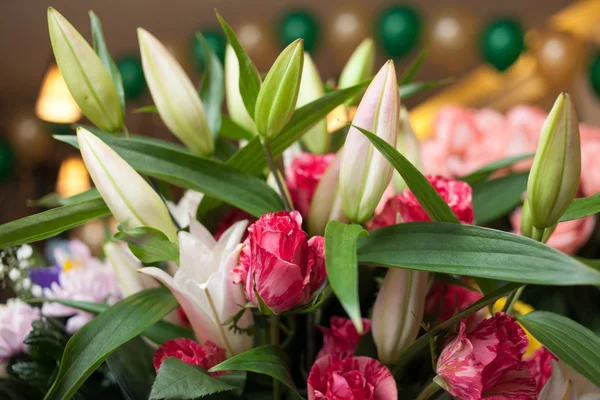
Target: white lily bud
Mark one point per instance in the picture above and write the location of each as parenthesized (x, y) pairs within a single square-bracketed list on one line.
[(176, 98), (408, 146), (316, 139), (126, 265), (86, 77), (359, 67), (365, 173), (128, 196), (235, 104)]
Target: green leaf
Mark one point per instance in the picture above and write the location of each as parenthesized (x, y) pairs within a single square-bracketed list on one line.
[(582, 207), (342, 268), (131, 365), (473, 251), (95, 341), (157, 333), (497, 197), (571, 342), (409, 73), (212, 86), (264, 360), (231, 130), (412, 89), (179, 380), (181, 168), (53, 200), (50, 223), (431, 201), (251, 158), (146, 109), (149, 245), (488, 169), (102, 50), (423, 341), (249, 81)]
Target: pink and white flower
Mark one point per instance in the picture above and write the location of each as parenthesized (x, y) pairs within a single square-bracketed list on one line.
[(16, 318), (341, 338), (206, 356), (353, 378), (303, 176)]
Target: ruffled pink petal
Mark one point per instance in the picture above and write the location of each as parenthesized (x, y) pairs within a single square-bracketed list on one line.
[(516, 384)]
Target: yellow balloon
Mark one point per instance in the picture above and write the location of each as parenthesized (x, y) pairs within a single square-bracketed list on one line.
[(452, 35), (558, 55), (29, 139)]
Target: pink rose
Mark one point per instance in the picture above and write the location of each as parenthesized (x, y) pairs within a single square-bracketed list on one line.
[(280, 263), (568, 237), (341, 338), (16, 318), (303, 176), (444, 300), (487, 362), (540, 365), (188, 351), (590, 160), (353, 378)]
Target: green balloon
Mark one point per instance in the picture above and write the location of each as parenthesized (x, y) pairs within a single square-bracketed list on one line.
[(132, 74), (299, 24), (7, 160), (502, 42), (216, 39), (399, 29), (595, 73)]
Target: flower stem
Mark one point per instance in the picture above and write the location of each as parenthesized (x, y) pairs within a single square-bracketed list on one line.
[(287, 203), (275, 319), (429, 391), (512, 298)]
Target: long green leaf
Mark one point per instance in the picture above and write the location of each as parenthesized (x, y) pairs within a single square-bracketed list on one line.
[(157, 333), (53, 200), (212, 86), (249, 82), (149, 244), (264, 360), (94, 342), (231, 130), (571, 342), (411, 89), (50, 223), (582, 207), (179, 380), (497, 197), (423, 341), (102, 50), (131, 365), (431, 201), (181, 168), (473, 251), (342, 268), (488, 169), (409, 73)]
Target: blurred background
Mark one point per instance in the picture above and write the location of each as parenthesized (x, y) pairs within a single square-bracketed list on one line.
[(498, 53)]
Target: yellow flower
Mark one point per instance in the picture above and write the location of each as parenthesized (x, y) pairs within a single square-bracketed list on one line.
[(521, 309)]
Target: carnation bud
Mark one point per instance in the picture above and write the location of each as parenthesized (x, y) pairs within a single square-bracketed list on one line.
[(398, 312), (554, 177), (408, 146), (365, 173), (86, 77), (278, 94), (359, 67), (316, 139), (128, 196), (235, 104), (176, 98)]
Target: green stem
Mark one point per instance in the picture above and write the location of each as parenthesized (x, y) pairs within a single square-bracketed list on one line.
[(537, 234), (512, 298), (287, 203), (275, 332), (126, 131), (429, 391)]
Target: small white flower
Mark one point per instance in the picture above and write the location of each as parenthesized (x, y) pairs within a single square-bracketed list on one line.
[(24, 252), (24, 264), (14, 274), (26, 283), (36, 291)]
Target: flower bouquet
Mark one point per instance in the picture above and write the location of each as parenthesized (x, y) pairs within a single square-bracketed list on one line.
[(259, 282)]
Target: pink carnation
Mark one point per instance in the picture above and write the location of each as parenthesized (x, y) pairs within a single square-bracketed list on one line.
[(341, 338), (540, 365), (188, 351), (16, 318), (303, 175), (444, 300)]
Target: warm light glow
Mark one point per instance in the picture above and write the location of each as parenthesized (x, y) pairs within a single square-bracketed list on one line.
[(337, 118), (73, 178), (55, 103)]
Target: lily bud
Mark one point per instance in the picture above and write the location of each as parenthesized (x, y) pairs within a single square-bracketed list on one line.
[(554, 176), (128, 196), (398, 312), (526, 225), (558, 386), (235, 105), (359, 67), (365, 173), (279, 92), (408, 146), (86, 77), (176, 98), (126, 265), (316, 139)]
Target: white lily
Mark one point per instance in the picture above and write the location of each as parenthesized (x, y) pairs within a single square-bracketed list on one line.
[(126, 265), (566, 384), (188, 205), (203, 286)]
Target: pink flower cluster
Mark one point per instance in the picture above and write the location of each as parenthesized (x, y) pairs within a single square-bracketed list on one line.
[(188, 351)]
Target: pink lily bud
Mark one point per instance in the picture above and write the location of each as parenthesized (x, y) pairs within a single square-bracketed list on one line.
[(365, 173)]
